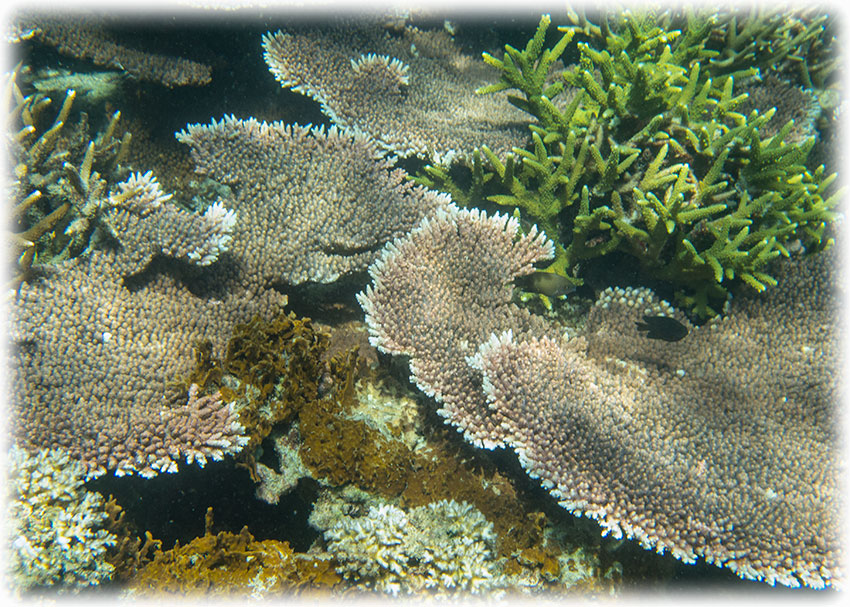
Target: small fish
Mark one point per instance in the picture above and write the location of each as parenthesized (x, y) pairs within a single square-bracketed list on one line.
[(545, 283), (662, 327)]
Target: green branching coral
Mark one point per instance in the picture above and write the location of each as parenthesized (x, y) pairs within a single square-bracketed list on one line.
[(639, 149)]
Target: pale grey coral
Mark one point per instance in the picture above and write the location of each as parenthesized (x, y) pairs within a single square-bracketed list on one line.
[(313, 204), (275, 483), (97, 355), (442, 547), (413, 91), (55, 527), (722, 445)]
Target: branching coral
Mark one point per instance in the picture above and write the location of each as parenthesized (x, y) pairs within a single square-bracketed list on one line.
[(60, 176), (640, 149), (57, 527), (442, 547)]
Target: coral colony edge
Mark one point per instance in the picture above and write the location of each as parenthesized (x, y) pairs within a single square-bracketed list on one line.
[(407, 303)]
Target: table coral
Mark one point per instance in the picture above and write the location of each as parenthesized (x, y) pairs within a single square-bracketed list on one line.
[(413, 91), (744, 466), (313, 204), (88, 38), (98, 356)]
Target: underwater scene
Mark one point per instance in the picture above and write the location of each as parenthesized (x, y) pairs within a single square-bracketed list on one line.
[(411, 303)]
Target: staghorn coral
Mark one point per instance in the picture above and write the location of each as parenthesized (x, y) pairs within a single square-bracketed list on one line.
[(61, 175), (313, 204), (414, 91), (797, 42), (88, 38), (670, 443), (97, 356), (56, 532), (642, 149)]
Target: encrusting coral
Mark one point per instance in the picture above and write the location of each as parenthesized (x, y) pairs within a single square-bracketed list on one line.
[(641, 148), (721, 445), (413, 91)]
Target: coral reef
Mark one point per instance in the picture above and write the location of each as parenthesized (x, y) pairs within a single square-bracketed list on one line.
[(56, 532), (678, 149), (88, 38), (97, 355), (412, 91), (591, 415), (443, 547), (313, 204), (642, 148)]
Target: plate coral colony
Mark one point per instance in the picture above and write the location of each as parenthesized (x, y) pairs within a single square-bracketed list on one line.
[(405, 304)]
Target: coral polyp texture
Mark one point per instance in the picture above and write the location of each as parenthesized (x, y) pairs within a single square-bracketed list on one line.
[(722, 445), (97, 355), (147, 225), (56, 527), (313, 204), (456, 293), (411, 90), (442, 547)]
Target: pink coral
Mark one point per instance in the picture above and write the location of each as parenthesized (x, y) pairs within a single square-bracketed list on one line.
[(722, 445)]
